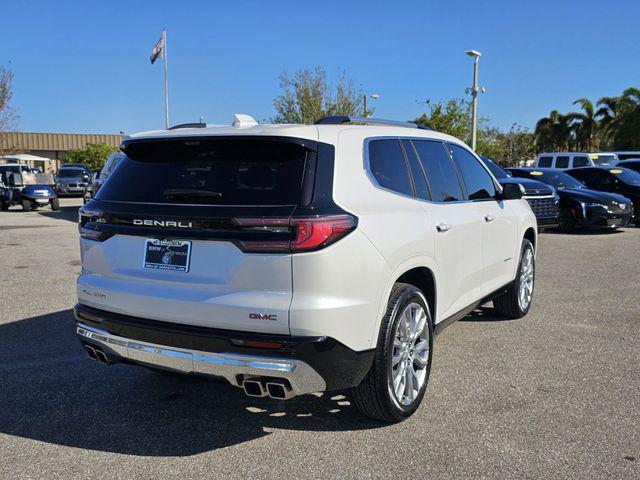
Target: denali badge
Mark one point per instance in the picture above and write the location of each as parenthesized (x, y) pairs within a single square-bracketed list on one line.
[(162, 223), (262, 316)]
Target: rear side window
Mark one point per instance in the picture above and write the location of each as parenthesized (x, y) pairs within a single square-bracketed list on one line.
[(441, 174), (388, 167), (419, 180), (209, 171), (562, 161), (580, 162), (544, 162), (476, 179)]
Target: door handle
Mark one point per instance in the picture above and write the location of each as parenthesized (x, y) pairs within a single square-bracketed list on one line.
[(443, 227), (489, 218)]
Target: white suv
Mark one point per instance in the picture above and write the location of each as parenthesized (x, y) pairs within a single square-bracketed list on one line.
[(292, 259)]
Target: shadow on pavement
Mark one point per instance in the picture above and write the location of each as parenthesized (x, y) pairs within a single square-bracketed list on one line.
[(51, 392), (65, 213), (485, 314)]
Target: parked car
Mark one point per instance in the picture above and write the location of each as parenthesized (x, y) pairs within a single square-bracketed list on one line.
[(614, 180), (72, 180), (19, 186), (625, 155), (541, 197), (76, 165), (101, 176), (289, 262), (580, 206), (565, 160), (631, 164)]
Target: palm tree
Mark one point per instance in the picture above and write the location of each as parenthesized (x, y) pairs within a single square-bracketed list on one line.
[(608, 118), (584, 125), (553, 133)]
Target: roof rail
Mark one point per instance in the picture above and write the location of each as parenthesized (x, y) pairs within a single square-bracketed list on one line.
[(342, 119), (188, 125)]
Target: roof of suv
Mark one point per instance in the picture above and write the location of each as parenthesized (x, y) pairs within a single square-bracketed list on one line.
[(311, 132)]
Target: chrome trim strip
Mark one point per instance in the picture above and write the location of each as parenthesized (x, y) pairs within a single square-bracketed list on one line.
[(302, 377)]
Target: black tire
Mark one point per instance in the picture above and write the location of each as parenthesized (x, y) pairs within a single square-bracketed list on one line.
[(55, 204), (373, 397), (507, 304), (566, 220), (4, 206), (26, 205)]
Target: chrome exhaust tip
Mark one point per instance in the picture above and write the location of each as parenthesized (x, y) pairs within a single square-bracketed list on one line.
[(101, 357), (254, 388), (91, 352), (279, 390)]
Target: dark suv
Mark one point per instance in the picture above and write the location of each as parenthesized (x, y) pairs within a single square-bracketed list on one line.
[(541, 197)]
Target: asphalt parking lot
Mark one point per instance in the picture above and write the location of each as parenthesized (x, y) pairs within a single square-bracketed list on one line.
[(554, 395)]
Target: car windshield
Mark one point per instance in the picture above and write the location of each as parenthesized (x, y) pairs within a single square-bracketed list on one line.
[(604, 159), (559, 180), (497, 170), (70, 173), (627, 176)]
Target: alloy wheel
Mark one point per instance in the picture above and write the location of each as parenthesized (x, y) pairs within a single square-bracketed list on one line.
[(410, 356)]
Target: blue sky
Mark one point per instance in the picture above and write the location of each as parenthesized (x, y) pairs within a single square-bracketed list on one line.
[(84, 66)]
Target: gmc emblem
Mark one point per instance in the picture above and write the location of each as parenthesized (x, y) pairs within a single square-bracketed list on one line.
[(263, 316)]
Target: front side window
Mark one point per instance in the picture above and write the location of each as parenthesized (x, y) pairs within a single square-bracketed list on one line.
[(580, 162), (545, 162), (476, 179), (388, 167), (214, 171), (441, 174), (562, 161)]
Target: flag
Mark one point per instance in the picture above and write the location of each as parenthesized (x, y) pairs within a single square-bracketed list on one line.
[(157, 50)]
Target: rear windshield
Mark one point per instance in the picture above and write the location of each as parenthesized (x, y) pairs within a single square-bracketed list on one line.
[(208, 171)]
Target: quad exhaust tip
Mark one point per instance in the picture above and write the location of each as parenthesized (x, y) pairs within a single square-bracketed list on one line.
[(278, 390), (254, 388), (97, 355)]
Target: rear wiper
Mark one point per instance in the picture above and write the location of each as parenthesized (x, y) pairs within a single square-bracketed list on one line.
[(190, 193)]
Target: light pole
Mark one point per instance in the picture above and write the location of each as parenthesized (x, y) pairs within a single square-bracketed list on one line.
[(474, 93), (374, 96)]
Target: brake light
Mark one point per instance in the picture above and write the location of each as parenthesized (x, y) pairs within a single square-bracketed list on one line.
[(314, 233), (308, 233)]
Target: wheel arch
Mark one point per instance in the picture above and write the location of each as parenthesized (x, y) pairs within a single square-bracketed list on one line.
[(419, 272), (530, 234)]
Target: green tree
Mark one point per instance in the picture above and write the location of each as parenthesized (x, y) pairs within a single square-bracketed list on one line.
[(8, 115), (626, 135), (584, 125), (307, 96), (553, 133), (92, 155), (452, 116)]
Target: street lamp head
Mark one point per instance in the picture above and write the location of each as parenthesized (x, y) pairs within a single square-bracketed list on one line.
[(375, 96), (473, 53)]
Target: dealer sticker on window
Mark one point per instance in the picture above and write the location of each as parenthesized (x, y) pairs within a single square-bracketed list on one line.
[(171, 255)]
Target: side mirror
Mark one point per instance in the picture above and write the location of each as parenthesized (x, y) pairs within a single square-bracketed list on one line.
[(15, 180), (512, 191)]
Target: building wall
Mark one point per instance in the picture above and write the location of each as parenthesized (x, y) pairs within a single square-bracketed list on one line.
[(51, 145)]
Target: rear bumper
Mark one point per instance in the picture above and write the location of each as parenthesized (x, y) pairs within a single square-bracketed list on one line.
[(309, 364)]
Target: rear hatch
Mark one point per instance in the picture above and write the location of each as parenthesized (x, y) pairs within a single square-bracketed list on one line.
[(197, 230)]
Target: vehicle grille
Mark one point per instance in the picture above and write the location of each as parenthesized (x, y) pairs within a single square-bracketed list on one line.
[(545, 209)]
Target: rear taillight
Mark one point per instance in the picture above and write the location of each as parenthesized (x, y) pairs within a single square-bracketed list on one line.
[(88, 225), (306, 233)]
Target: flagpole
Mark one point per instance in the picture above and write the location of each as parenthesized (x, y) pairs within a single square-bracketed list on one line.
[(166, 80)]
